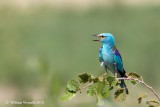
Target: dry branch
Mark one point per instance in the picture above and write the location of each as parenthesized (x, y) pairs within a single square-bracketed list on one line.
[(142, 82)]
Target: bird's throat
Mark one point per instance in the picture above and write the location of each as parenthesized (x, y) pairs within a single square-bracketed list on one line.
[(107, 47)]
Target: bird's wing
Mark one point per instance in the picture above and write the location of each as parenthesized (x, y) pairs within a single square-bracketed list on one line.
[(100, 55), (119, 62)]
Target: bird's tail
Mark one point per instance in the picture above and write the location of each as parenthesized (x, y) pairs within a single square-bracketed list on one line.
[(123, 85)]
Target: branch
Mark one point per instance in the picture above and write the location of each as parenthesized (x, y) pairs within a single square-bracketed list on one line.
[(129, 78), (86, 86), (102, 86), (142, 82)]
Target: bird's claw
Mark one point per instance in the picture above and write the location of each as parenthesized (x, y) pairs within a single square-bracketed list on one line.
[(105, 74), (116, 77)]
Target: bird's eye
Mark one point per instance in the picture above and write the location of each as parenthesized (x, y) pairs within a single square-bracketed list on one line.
[(103, 36)]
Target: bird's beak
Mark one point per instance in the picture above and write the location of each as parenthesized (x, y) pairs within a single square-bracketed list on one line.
[(96, 36)]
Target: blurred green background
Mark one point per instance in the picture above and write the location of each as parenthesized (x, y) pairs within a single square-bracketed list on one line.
[(43, 46)]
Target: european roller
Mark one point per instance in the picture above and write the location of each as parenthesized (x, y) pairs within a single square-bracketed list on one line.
[(111, 58)]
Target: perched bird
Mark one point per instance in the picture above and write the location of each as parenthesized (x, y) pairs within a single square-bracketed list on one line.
[(110, 57)]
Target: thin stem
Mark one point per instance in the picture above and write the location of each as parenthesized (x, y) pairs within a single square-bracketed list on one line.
[(86, 86), (129, 78), (142, 82)]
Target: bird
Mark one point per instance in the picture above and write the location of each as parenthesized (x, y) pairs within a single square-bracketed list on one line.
[(110, 57)]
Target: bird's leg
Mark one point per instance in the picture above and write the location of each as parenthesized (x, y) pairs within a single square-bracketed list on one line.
[(115, 72), (105, 68)]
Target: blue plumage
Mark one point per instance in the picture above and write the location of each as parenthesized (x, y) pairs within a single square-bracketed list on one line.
[(110, 57), (100, 55), (118, 60)]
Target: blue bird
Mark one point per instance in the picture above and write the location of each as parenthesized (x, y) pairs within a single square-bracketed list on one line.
[(110, 57)]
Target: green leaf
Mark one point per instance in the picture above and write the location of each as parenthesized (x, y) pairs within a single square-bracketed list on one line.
[(149, 104), (120, 95), (95, 80), (67, 95), (111, 81), (133, 82), (73, 86), (99, 98), (97, 89), (111, 88), (134, 75), (101, 86), (100, 91), (70, 91), (106, 93), (91, 89), (118, 83), (84, 78), (139, 100), (152, 103), (143, 95)]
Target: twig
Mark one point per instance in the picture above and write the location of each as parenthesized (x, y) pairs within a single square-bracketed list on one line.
[(129, 78), (86, 86), (142, 82)]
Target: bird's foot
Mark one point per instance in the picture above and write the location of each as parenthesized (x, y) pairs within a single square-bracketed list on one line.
[(116, 77), (105, 74), (102, 76)]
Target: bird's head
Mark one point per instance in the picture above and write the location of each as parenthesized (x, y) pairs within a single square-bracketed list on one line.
[(106, 38)]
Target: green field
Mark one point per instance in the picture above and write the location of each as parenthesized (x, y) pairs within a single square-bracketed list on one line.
[(44, 47)]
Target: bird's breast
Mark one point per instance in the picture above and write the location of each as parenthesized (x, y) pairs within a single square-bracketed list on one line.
[(109, 59)]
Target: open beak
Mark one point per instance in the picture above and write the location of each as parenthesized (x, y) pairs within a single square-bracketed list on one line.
[(96, 36)]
